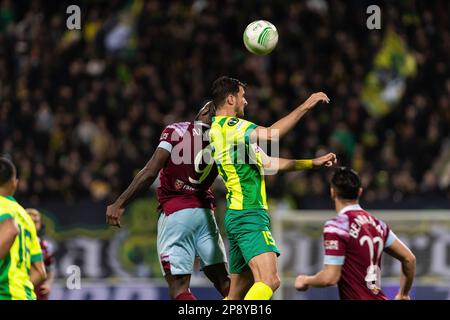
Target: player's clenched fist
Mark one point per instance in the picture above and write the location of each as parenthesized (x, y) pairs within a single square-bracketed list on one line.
[(113, 215), (325, 161), (300, 283)]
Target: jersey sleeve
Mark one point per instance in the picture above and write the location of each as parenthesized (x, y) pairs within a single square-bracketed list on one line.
[(35, 248), (388, 235), (169, 138), (335, 239), (4, 216), (391, 237)]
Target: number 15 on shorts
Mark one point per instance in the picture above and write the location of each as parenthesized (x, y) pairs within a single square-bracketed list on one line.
[(268, 237)]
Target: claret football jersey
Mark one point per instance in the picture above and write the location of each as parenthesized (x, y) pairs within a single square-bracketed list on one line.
[(355, 239)]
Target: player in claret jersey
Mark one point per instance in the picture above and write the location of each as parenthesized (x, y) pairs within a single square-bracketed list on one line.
[(43, 290), (354, 242), (186, 226)]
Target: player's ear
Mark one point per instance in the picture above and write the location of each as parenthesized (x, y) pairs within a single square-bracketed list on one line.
[(231, 99), (332, 193), (360, 191)]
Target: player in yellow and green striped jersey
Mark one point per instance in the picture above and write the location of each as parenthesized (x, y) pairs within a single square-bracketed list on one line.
[(242, 165), (21, 265)]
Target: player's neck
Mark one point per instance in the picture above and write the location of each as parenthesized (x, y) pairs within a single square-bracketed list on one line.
[(226, 111), (341, 204), (5, 192)]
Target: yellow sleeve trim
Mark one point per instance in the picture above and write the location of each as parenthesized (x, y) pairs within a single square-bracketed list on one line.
[(303, 164)]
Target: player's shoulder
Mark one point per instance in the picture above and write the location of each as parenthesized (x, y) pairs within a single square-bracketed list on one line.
[(8, 207), (179, 126), (24, 216), (17, 212), (339, 224), (228, 122), (175, 129)]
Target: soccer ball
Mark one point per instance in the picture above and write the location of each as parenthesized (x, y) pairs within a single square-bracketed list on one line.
[(260, 37)]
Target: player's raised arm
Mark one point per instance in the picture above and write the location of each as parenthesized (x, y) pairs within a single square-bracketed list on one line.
[(284, 125), (272, 164), (401, 252), (8, 233), (141, 182)]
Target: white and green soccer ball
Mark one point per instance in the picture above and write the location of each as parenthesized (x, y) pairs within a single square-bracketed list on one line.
[(260, 37)]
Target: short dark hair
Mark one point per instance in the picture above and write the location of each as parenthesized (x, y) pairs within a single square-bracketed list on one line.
[(346, 182), (7, 170), (224, 86)]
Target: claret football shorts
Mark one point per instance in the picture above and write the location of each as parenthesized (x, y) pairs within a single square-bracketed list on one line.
[(185, 234)]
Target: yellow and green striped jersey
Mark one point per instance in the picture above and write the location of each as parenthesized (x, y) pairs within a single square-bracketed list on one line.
[(15, 283), (239, 162)]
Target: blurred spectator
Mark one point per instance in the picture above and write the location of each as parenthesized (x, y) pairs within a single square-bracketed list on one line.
[(80, 112)]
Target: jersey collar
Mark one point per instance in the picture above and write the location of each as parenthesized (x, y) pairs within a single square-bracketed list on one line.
[(220, 117), (11, 198), (352, 207)]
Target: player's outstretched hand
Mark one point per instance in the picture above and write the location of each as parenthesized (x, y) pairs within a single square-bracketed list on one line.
[(113, 215), (315, 98), (300, 283), (325, 161)]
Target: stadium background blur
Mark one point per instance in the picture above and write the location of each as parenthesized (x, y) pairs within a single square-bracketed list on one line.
[(81, 112)]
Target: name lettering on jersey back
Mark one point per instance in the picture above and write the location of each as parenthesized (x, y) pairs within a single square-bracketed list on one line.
[(359, 221)]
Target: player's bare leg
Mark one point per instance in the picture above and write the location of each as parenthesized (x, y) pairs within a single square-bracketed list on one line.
[(240, 284), (264, 269), (179, 287), (218, 275)]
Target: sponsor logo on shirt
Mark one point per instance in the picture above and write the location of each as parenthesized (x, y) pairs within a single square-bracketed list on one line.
[(331, 244), (164, 136), (180, 185), (233, 121), (240, 125)]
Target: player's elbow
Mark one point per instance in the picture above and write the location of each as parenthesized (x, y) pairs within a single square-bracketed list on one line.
[(331, 282), (149, 173), (38, 273), (331, 279), (42, 275), (409, 259), (273, 134)]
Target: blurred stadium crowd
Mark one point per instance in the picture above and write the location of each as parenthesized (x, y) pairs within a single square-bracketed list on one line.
[(82, 110)]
